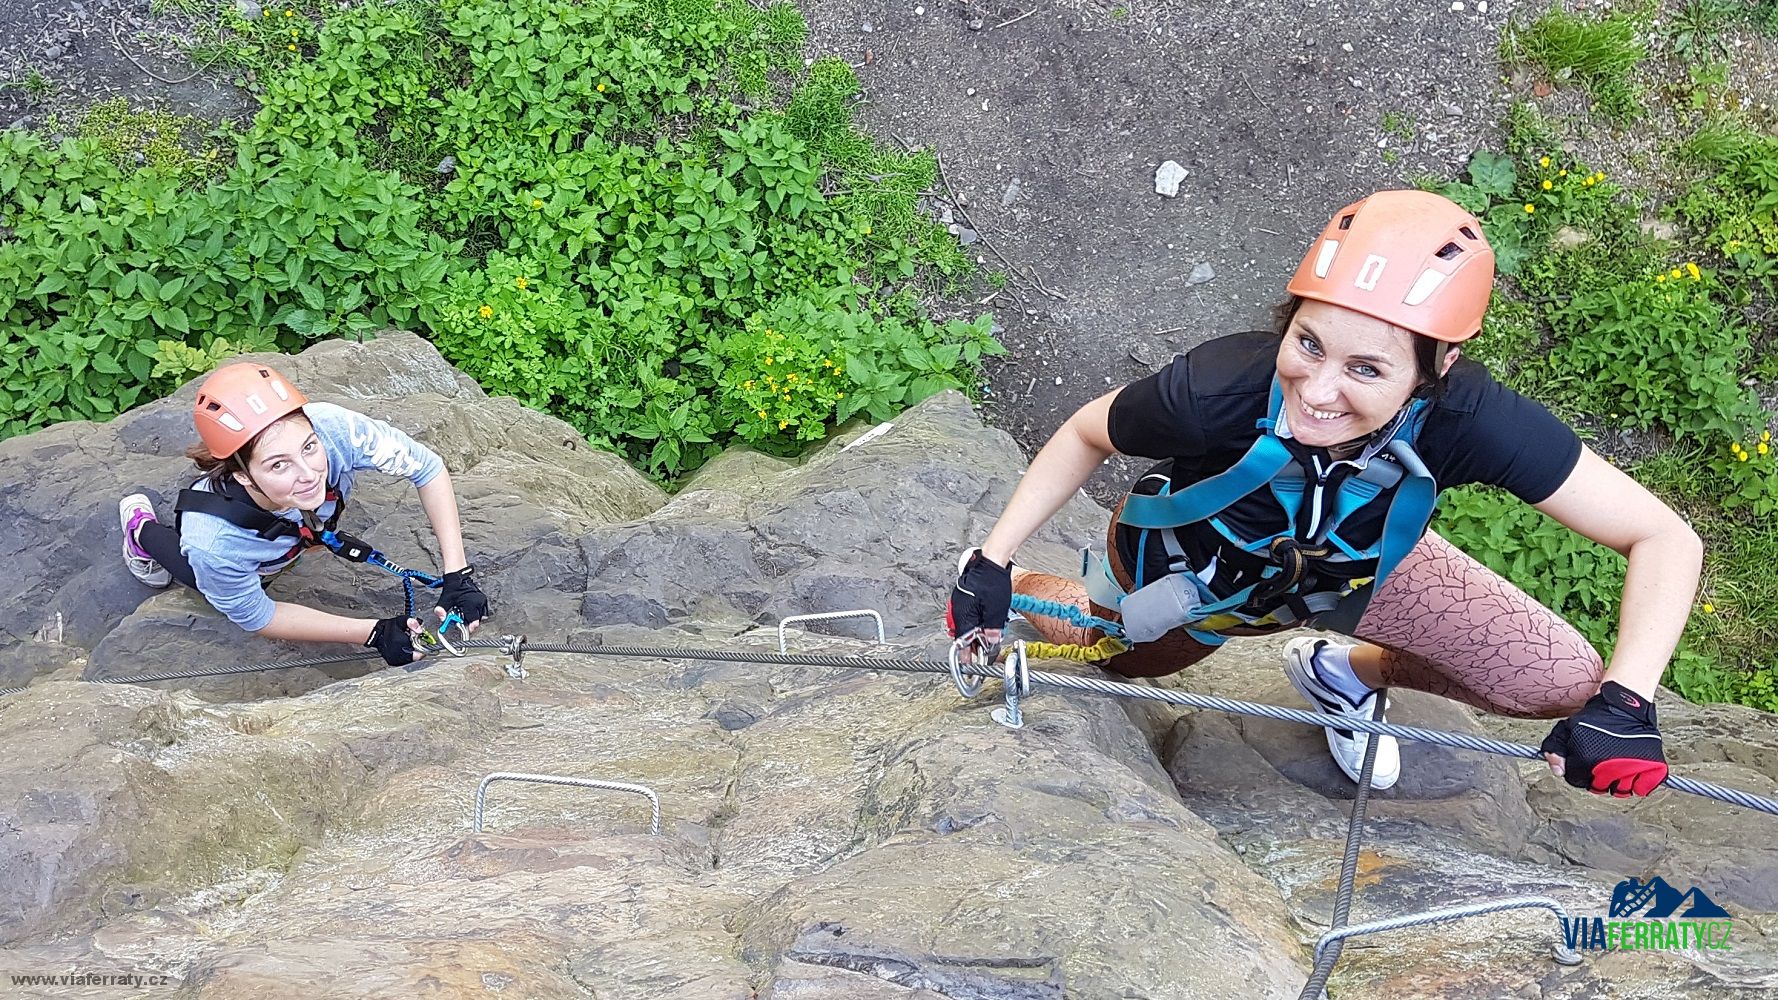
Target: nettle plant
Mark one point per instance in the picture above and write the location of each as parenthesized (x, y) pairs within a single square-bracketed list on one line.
[(596, 207), (649, 186)]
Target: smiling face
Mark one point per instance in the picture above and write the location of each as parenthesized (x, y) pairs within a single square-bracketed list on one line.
[(289, 466), (1344, 374)]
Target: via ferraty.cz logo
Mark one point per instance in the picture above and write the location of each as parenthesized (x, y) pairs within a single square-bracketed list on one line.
[(1652, 914)]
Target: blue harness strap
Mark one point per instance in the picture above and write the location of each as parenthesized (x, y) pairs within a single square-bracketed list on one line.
[(1270, 464)]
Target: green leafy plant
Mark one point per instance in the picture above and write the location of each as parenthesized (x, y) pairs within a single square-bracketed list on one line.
[(1637, 344), (595, 207)]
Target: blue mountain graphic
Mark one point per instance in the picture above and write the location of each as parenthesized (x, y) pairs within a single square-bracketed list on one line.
[(1660, 900)]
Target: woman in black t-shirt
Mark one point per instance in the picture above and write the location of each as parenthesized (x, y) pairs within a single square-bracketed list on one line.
[(1368, 360)]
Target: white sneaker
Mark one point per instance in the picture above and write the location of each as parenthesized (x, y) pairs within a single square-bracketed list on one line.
[(1347, 746), (131, 512)]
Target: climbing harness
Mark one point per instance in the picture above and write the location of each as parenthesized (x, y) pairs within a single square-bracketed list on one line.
[(238, 510), (1316, 500), (1017, 682)]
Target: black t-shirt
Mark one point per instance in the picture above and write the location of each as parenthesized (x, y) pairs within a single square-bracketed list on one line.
[(1199, 415)]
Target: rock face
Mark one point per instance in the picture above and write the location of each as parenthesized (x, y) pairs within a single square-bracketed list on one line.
[(827, 832)]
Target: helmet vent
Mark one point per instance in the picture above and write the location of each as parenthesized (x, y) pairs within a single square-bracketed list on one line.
[(1449, 251), (1468, 233), (1346, 220)]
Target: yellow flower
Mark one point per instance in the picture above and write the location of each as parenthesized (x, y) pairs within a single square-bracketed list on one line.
[(293, 32), (486, 311), (747, 384), (265, 13), (1676, 274), (768, 359), (1659, 278), (768, 331), (762, 414), (536, 203), (1741, 457), (1600, 174), (1709, 608), (1530, 209), (290, 13), (1765, 436), (291, 47), (1562, 173), (1544, 162), (827, 362), (839, 395), (1590, 182), (791, 378), (600, 88), (522, 283), (783, 424), (1764, 447), (867, 230), (1692, 269), (1548, 185)]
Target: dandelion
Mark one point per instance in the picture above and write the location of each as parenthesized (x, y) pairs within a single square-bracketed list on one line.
[(600, 88), (536, 203), (1741, 457), (1589, 182), (1692, 269), (1547, 185), (1544, 162), (1709, 608), (1660, 279), (1562, 173), (1765, 436), (1763, 448), (265, 13), (291, 47), (1600, 174), (293, 33), (522, 283), (1676, 274), (486, 311), (1530, 209), (290, 13)]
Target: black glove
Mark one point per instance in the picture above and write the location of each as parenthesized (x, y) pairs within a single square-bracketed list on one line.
[(460, 594), (1611, 744), (394, 638), (980, 601)]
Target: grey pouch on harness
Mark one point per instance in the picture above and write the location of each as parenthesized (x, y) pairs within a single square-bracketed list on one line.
[(1159, 607)]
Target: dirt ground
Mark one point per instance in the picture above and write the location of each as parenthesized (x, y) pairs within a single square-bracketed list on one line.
[(1050, 118)]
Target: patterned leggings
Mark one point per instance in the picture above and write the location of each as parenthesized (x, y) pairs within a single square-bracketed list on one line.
[(1447, 625)]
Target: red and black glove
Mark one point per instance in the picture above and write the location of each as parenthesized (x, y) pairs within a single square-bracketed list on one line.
[(1611, 744), (981, 600)]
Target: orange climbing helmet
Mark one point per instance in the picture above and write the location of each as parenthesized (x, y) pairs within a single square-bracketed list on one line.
[(1415, 259), (238, 401)]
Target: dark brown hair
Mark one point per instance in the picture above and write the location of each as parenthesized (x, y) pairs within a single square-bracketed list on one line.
[(1429, 354)]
